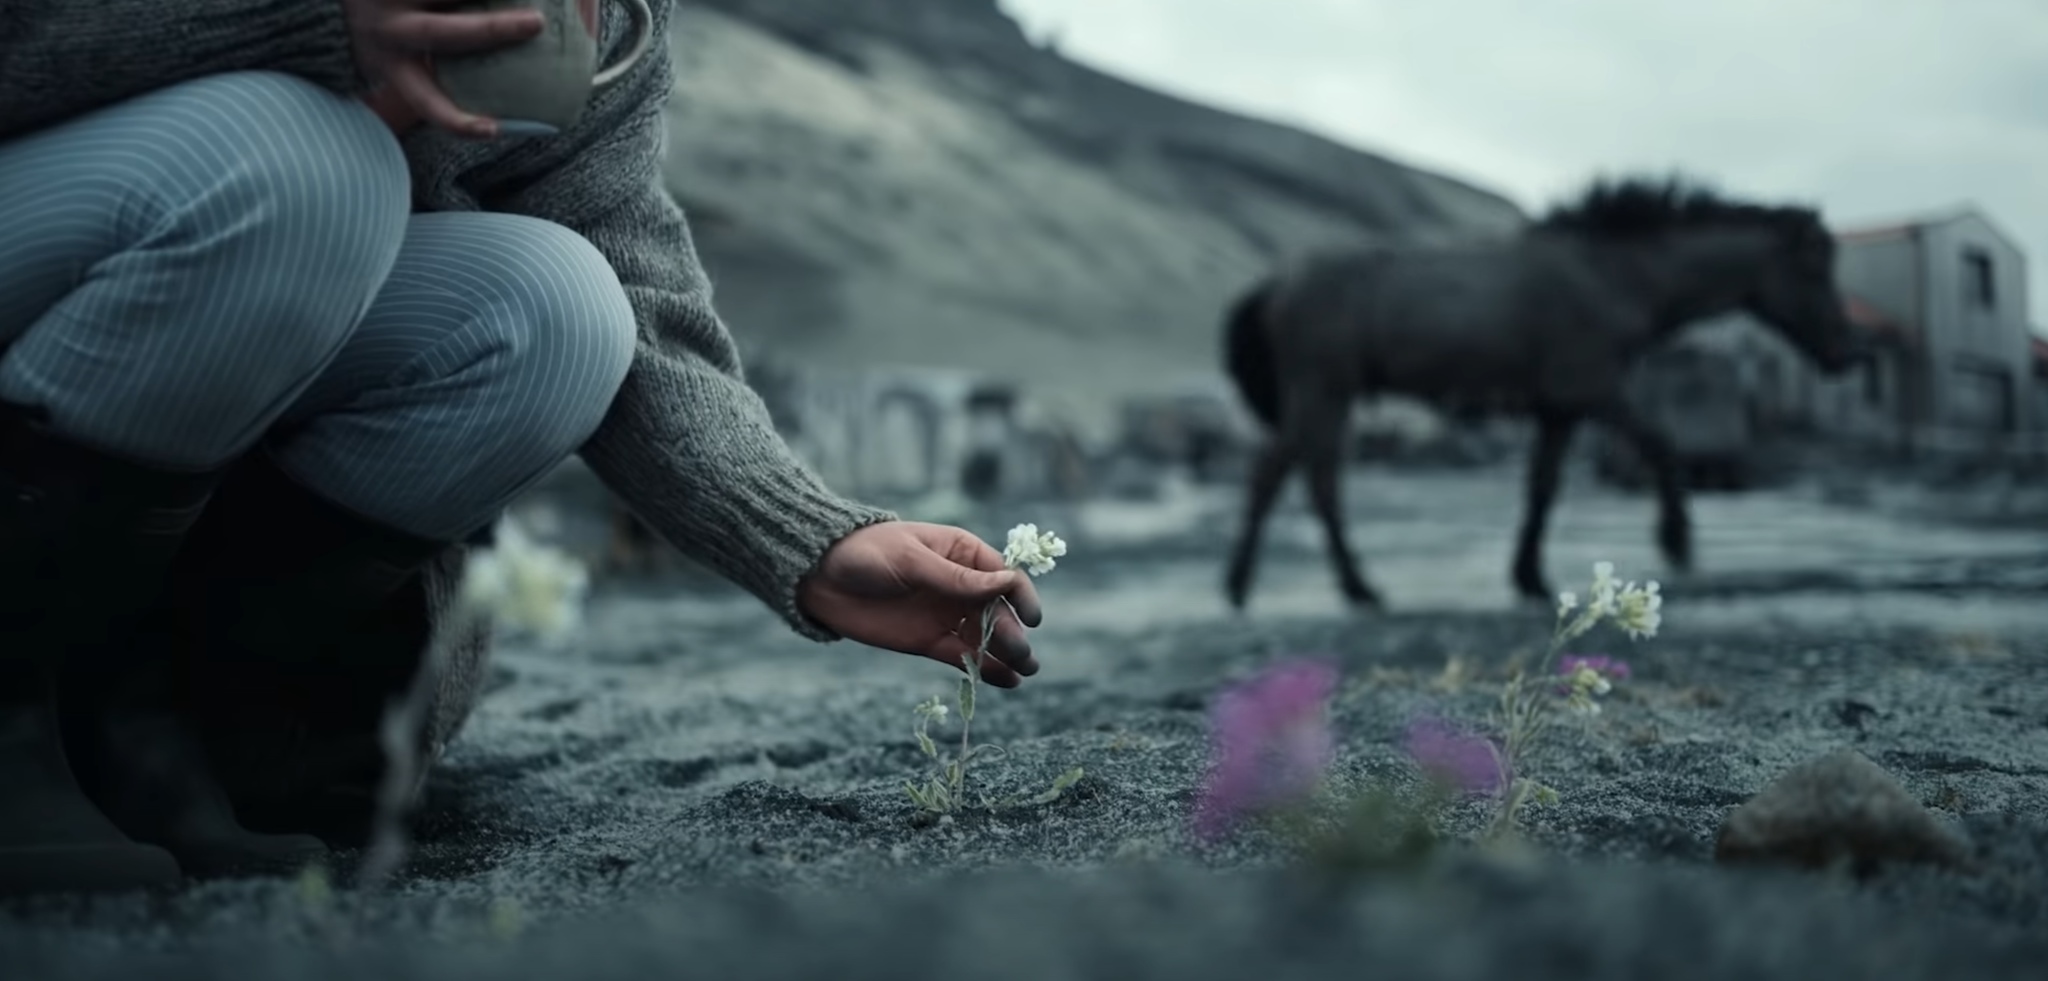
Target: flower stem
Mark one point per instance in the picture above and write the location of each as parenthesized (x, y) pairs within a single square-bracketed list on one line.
[(967, 693), (988, 627), (1523, 713)]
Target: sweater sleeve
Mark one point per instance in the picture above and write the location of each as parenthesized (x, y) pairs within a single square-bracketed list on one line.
[(60, 58), (687, 443)]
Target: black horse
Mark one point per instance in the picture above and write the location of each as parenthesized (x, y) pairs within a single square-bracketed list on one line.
[(1545, 323)]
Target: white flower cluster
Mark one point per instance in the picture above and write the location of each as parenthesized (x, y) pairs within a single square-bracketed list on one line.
[(526, 585), (1585, 684), (1636, 609), (1032, 550)]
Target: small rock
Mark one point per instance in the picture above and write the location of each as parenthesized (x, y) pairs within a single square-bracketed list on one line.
[(1853, 713), (1840, 807), (797, 756), (839, 809)]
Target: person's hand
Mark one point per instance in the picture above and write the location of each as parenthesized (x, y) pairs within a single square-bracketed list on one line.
[(393, 110), (920, 589), (393, 40)]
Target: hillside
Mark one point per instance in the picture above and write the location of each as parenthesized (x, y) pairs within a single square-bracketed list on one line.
[(913, 182)]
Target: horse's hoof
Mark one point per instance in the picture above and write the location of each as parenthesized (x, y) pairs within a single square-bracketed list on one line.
[(1675, 541), (1362, 597), (1534, 590)]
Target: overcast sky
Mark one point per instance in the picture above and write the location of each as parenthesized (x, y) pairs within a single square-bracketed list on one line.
[(1871, 109)]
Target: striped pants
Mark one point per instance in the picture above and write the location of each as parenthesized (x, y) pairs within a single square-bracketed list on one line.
[(232, 263)]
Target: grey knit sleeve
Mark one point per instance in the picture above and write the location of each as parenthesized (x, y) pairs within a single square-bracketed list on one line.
[(60, 58), (687, 443)]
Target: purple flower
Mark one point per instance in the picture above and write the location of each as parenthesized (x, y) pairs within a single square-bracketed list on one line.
[(1469, 762), (1270, 742), (1608, 667)]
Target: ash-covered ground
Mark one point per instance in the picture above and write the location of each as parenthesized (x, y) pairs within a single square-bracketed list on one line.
[(685, 789)]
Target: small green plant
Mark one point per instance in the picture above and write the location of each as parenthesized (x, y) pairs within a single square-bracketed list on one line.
[(506, 919), (319, 905), (945, 791), (1379, 830), (1524, 713), (1272, 746), (316, 889)]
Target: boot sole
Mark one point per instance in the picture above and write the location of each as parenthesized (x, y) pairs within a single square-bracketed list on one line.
[(42, 869), (252, 857)]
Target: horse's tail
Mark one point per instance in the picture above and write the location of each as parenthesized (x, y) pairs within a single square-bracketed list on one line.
[(1248, 353)]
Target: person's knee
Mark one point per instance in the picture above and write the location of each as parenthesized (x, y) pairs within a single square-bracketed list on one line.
[(571, 327), (300, 194), (565, 329), (515, 339)]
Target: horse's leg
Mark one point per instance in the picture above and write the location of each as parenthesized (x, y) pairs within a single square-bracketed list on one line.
[(1674, 527), (1323, 445), (1268, 474), (1553, 436)]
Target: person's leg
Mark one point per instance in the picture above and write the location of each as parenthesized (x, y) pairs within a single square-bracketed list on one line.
[(491, 355), (174, 271)]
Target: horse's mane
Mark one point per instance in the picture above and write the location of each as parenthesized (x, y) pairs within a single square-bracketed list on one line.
[(1642, 206)]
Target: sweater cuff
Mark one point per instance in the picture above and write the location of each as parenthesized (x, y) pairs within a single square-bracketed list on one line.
[(804, 522)]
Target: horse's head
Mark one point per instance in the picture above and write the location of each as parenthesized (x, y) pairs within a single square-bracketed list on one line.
[(1797, 295)]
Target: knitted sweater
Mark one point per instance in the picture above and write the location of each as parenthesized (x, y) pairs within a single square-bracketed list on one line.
[(686, 444)]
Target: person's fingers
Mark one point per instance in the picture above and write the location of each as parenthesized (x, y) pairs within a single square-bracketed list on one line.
[(414, 82), (392, 109), (1024, 600), (952, 650), (957, 581), (965, 549), (433, 32), (1010, 644)]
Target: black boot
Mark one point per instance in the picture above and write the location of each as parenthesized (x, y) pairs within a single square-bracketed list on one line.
[(84, 541), (127, 748), (301, 622), (138, 757)]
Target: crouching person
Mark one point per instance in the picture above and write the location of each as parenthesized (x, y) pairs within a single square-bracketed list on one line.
[(280, 331)]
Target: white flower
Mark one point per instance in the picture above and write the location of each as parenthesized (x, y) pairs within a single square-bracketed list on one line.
[(1604, 588), (1031, 550), (524, 584), (1567, 601), (1591, 681), (1638, 610)]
